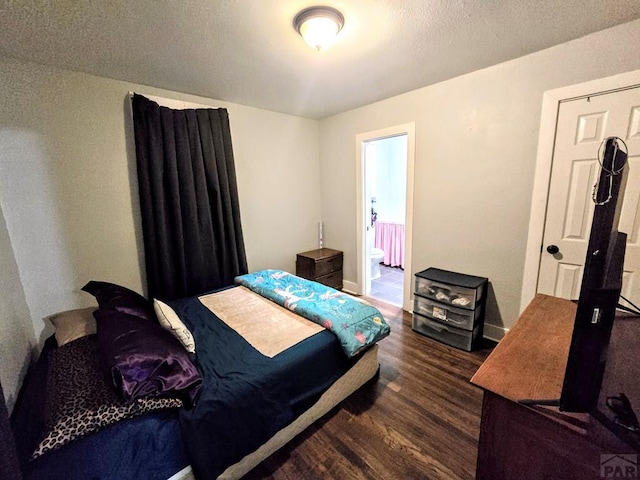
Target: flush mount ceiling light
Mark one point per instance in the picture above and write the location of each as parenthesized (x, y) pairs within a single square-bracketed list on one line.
[(318, 25)]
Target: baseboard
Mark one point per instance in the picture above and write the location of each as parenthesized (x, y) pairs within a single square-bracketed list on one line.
[(493, 332)]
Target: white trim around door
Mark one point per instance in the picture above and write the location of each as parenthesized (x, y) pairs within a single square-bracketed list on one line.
[(546, 140), (409, 129)]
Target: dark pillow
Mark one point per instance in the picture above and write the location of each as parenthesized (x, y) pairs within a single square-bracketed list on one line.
[(116, 297), (143, 359)]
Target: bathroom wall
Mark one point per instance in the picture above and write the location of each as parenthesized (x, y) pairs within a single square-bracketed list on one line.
[(390, 184)]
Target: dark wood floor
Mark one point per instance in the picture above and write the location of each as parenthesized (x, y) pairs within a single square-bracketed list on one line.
[(420, 420)]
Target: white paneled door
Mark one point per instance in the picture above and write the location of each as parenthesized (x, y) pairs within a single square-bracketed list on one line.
[(582, 126)]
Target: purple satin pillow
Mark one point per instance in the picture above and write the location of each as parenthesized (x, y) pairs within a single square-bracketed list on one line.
[(116, 297), (143, 359)]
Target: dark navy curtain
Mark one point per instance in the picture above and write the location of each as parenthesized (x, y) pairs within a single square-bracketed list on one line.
[(188, 198)]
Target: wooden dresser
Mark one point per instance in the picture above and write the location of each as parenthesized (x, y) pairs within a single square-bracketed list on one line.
[(323, 265), (534, 442)]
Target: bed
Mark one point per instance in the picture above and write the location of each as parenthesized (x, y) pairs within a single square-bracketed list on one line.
[(249, 393)]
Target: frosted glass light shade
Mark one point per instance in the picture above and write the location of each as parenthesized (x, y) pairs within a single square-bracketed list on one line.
[(319, 26)]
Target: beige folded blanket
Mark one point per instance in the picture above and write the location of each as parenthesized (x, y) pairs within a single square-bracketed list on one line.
[(268, 327)]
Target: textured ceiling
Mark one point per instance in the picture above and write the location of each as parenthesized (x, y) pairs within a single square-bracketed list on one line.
[(247, 52)]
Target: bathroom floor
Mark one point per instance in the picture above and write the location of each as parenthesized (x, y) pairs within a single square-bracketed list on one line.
[(388, 287)]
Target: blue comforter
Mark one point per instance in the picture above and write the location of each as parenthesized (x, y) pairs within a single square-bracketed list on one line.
[(247, 397), (356, 324)]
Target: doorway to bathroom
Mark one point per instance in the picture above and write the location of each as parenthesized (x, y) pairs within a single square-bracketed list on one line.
[(385, 178)]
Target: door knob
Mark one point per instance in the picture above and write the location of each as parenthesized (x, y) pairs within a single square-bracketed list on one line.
[(553, 249)]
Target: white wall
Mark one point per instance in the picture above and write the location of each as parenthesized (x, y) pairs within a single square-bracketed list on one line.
[(18, 338), (390, 178), (476, 141), (68, 186)]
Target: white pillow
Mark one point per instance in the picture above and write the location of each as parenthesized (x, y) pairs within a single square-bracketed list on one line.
[(73, 324), (169, 320)]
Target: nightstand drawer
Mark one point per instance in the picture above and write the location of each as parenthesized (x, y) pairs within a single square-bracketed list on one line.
[(323, 265), (328, 265), (334, 279)]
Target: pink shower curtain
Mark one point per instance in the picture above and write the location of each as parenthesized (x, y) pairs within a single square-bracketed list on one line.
[(390, 238)]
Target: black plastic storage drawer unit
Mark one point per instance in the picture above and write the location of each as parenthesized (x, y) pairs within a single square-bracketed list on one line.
[(458, 317), (464, 291), (456, 337), (450, 307)]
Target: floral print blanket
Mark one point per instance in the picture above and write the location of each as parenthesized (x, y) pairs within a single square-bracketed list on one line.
[(356, 323)]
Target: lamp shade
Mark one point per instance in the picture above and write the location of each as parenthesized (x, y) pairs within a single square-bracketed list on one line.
[(319, 26)]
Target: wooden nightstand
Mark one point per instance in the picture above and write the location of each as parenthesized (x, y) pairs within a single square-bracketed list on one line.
[(323, 265)]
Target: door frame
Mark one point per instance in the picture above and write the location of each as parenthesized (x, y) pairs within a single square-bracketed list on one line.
[(408, 129), (544, 160)]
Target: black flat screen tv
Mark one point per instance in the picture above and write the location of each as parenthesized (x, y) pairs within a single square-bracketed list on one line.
[(599, 291), (600, 288)]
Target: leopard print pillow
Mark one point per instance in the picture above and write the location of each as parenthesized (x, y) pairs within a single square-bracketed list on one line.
[(81, 401)]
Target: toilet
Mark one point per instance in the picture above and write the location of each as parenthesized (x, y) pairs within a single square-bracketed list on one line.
[(377, 255)]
